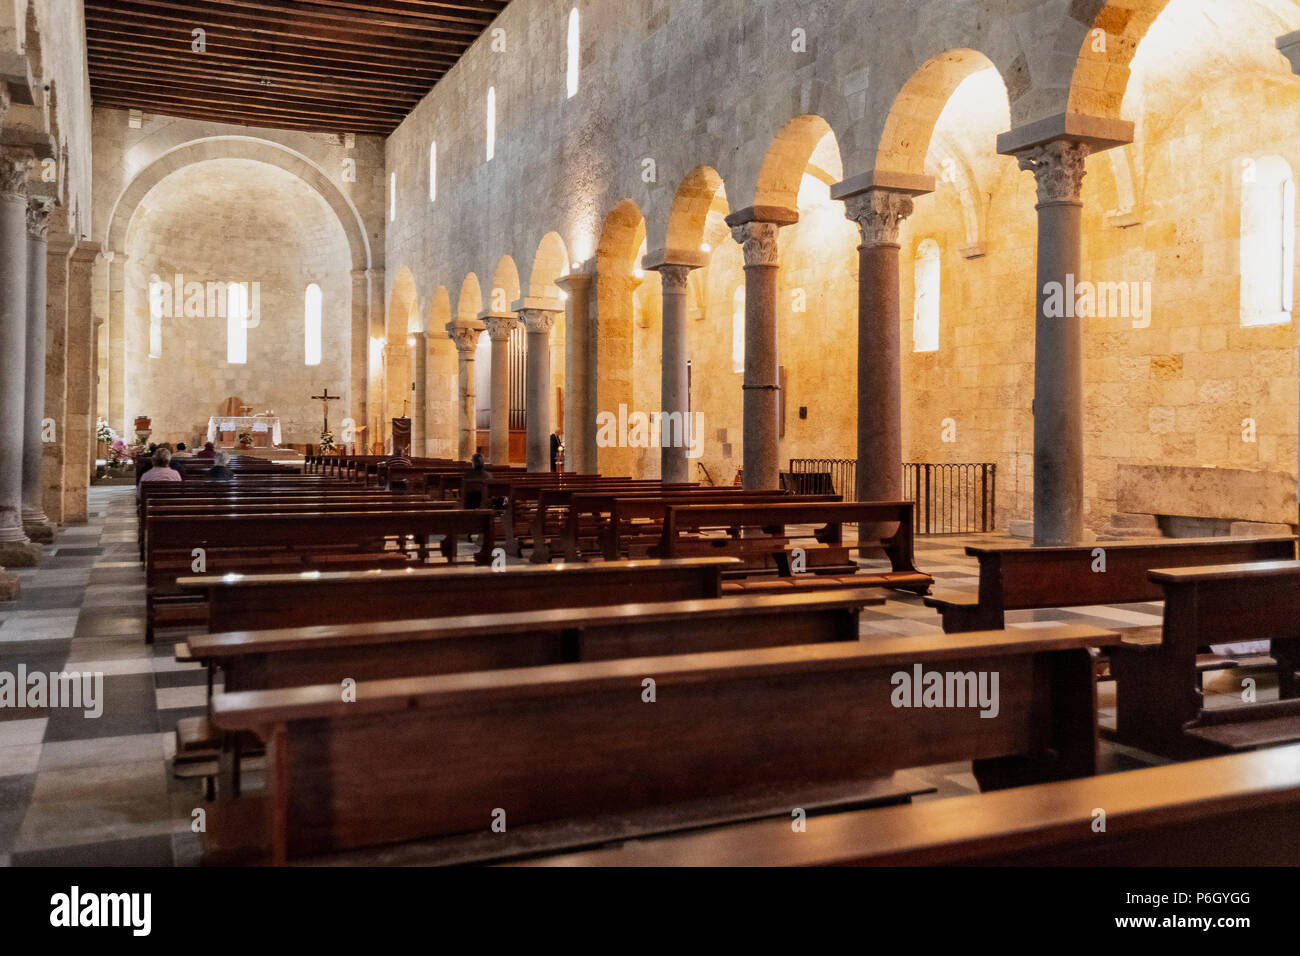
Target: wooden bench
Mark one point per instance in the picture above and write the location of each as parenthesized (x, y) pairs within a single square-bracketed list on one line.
[(1241, 810), (416, 758), (314, 532), (1016, 577), (261, 601), (1159, 705), (760, 535)]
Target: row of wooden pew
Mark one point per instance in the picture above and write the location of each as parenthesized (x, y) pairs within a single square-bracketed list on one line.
[(684, 678)]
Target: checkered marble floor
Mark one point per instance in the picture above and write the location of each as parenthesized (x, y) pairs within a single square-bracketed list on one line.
[(100, 791)]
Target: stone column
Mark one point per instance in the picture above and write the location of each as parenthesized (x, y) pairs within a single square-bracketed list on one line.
[(15, 548), (79, 430), (117, 345), (419, 397), (1058, 168), (359, 339), (499, 328), (579, 380), (879, 212), (756, 230), (465, 333), (35, 522), (674, 270), (538, 317), (56, 373)]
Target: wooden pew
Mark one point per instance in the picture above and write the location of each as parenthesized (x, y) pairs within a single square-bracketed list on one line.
[(1241, 810), (1015, 577), (262, 601), (682, 524), (416, 758), (1159, 704), (620, 534), (523, 498), (248, 537)]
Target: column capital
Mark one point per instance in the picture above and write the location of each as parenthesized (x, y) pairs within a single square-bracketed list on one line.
[(538, 321), (39, 209), (15, 162), (87, 251), (499, 327), (879, 212), (465, 333), (575, 283), (755, 228), (1058, 168), (674, 266)]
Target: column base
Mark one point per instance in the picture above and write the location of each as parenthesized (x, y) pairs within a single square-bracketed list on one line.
[(39, 530), (9, 586), (19, 554)]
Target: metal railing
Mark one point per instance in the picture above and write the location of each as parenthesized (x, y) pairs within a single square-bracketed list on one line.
[(950, 498)]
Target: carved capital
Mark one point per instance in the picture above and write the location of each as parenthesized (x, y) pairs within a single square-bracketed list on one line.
[(878, 213), (465, 335), (499, 327), (15, 162), (39, 209), (758, 241), (673, 278), (537, 321), (1058, 169)]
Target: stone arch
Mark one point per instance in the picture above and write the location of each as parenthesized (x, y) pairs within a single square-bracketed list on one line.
[(550, 263), (905, 138), (239, 147), (439, 310), (403, 307), (698, 193), (786, 161), (470, 301), (504, 291)]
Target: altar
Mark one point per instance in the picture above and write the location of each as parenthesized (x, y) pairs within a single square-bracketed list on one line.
[(264, 429)]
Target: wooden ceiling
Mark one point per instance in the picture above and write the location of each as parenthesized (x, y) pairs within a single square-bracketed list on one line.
[(332, 65)]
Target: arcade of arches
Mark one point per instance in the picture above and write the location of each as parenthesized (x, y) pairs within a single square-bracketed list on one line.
[(823, 246)]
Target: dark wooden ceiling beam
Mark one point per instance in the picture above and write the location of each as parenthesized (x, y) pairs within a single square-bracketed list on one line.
[(480, 14)]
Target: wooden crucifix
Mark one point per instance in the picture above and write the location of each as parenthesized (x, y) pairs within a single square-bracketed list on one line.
[(325, 402)]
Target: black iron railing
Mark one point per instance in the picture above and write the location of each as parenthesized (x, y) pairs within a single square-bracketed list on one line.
[(953, 498)]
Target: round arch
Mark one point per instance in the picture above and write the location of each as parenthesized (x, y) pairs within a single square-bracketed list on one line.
[(695, 197), (504, 291), (239, 147)]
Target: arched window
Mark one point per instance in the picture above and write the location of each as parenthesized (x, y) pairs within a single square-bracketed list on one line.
[(237, 323), (1267, 249), (574, 40), (433, 171), (158, 291), (925, 308), (491, 123), (312, 325), (738, 330)]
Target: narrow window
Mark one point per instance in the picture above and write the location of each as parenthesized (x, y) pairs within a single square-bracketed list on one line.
[(738, 330), (1267, 248), (925, 306), (491, 122), (236, 324), (574, 34), (312, 325), (392, 197)]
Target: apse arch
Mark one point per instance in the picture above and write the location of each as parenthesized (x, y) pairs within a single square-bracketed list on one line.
[(239, 147)]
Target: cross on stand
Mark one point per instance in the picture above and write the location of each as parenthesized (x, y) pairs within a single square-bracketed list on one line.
[(325, 400)]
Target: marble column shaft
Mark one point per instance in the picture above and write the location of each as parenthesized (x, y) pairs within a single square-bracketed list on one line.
[(537, 387), (1058, 168), (15, 549), (80, 425), (419, 395), (35, 522), (674, 402), (466, 334), (879, 213), (499, 328)]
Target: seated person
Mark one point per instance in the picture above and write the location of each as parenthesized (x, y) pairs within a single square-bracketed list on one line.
[(161, 470), (207, 452), (221, 469), (182, 451), (473, 489)]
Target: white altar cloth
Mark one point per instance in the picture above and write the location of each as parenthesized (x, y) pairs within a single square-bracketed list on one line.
[(252, 423)]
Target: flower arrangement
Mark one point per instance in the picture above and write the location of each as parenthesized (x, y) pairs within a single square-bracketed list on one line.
[(104, 432), (245, 440), (327, 443), (117, 452)]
